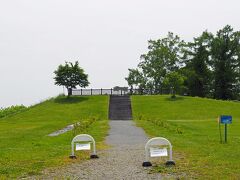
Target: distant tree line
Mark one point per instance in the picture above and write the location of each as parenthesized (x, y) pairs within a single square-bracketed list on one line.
[(209, 66)]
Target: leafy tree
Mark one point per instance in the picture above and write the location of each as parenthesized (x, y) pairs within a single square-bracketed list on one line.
[(197, 65), (163, 57), (174, 81), (225, 63), (135, 79), (210, 65), (70, 75)]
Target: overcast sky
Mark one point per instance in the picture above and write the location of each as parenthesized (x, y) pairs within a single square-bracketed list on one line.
[(105, 36)]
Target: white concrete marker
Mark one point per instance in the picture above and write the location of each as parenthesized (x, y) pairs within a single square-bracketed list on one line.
[(152, 151), (83, 142)]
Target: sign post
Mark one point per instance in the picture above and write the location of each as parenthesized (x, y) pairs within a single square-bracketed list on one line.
[(152, 151), (83, 142), (225, 133), (224, 119)]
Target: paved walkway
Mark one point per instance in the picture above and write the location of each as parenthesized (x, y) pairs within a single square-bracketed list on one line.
[(122, 161)]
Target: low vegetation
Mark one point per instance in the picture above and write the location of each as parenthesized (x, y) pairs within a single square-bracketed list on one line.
[(11, 110), (191, 126), (26, 148)]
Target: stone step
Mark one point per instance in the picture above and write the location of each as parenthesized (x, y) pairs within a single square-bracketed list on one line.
[(120, 108)]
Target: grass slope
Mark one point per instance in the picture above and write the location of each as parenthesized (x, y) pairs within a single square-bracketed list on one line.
[(191, 125), (25, 148)]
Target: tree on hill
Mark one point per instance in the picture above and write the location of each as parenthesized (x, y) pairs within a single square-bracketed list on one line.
[(135, 79), (70, 75), (174, 81), (210, 64), (163, 56), (225, 63), (197, 65)]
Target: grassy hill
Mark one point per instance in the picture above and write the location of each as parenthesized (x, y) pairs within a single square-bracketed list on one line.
[(189, 123), (191, 126), (25, 148)]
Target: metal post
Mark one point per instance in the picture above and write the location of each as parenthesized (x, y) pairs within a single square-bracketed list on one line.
[(170, 153), (72, 149), (131, 91), (111, 91), (121, 92), (81, 92), (91, 91), (225, 133), (219, 128), (101, 91)]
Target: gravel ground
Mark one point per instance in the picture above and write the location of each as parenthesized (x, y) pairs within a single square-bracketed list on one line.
[(122, 161)]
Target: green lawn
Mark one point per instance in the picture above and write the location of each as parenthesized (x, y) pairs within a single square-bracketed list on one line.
[(25, 148), (191, 126)]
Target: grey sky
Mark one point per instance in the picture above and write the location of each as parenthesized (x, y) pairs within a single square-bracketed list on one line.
[(105, 36)]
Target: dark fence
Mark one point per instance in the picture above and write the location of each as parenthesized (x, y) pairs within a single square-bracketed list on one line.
[(89, 92)]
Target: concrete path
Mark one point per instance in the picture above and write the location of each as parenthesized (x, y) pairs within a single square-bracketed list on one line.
[(122, 161), (124, 133)]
